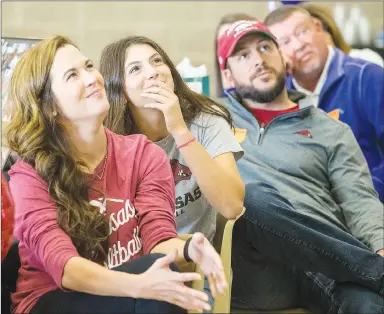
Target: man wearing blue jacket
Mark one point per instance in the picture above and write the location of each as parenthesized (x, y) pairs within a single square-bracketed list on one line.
[(312, 234), (351, 88)]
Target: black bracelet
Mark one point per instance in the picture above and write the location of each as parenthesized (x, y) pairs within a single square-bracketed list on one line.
[(186, 255)]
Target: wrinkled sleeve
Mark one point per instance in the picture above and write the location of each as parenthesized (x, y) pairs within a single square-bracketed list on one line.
[(36, 224), (155, 198), (217, 137), (353, 190)]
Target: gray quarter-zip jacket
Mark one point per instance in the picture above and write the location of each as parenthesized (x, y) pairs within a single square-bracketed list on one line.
[(316, 163)]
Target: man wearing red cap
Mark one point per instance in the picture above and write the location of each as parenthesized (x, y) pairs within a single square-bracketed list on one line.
[(312, 235)]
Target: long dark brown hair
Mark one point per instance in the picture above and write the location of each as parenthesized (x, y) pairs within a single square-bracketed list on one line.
[(226, 19), (40, 139), (119, 119)]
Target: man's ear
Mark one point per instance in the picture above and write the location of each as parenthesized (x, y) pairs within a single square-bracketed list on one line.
[(318, 25), (227, 75), (287, 61)]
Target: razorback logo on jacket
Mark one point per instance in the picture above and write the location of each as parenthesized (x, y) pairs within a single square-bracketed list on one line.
[(180, 172), (304, 133)]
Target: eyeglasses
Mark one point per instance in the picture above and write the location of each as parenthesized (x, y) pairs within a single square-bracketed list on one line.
[(302, 33)]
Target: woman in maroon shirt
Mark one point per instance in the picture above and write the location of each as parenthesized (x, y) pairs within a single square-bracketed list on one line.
[(89, 203)]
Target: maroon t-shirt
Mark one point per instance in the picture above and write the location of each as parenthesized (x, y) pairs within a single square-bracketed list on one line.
[(139, 203), (265, 116)]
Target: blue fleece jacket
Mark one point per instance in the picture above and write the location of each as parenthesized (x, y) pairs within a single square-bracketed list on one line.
[(356, 88)]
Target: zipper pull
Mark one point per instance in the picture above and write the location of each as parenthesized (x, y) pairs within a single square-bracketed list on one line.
[(261, 133)]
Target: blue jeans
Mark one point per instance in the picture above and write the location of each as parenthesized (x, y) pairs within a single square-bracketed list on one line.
[(207, 290), (60, 302), (283, 259)]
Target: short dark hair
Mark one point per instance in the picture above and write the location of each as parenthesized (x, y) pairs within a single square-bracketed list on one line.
[(282, 13)]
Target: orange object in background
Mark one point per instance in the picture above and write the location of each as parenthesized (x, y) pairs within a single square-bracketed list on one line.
[(7, 218), (335, 114)]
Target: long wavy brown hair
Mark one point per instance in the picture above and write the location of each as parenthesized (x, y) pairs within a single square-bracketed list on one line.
[(40, 139), (119, 119)]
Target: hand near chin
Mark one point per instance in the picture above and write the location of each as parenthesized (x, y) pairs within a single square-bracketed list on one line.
[(165, 100)]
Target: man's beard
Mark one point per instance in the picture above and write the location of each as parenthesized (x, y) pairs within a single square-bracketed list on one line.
[(262, 96)]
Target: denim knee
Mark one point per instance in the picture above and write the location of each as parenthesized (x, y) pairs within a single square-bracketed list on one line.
[(153, 257), (261, 196), (258, 194), (142, 264)]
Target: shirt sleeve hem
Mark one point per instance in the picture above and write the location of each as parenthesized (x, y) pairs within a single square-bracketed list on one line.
[(164, 237), (238, 153), (58, 278)]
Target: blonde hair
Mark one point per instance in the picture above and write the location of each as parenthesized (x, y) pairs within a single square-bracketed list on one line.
[(282, 13), (324, 15), (39, 138)]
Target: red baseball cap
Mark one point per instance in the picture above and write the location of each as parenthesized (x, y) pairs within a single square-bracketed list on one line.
[(229, 39)]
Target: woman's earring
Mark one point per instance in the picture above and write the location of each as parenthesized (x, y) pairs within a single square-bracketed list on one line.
[(54, 113)]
